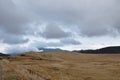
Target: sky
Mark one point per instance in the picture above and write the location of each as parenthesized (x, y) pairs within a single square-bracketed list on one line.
[(26, 25)]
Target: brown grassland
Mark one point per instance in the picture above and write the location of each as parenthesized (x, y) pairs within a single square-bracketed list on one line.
[(61, 66)]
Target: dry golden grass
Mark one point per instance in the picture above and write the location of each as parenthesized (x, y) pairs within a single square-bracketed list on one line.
[(61, 66)]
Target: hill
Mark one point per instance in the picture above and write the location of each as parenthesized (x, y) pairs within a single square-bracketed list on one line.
[(2, 54), (109, 50)]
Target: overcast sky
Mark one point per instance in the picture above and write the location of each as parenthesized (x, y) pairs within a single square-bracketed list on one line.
[(26, 25)]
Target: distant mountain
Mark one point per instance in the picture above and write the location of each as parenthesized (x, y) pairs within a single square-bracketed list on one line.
[(111, 49), (52, 50)]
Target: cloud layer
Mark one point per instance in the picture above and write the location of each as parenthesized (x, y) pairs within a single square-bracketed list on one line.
[(67, 21)]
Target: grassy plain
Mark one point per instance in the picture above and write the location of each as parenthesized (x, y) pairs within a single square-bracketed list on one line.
[(61, 66)]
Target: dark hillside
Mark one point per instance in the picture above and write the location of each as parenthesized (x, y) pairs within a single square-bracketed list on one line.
[(112, 49)]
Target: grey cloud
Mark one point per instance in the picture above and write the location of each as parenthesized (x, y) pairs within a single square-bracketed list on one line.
[(95, 30), (91, 17), (100, 18), (70, 41), (12, 18), (12, 38), (13, 23), (53, 31), (55, 44)]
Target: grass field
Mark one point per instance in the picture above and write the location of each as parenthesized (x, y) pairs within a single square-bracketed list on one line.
[(61, 66)]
